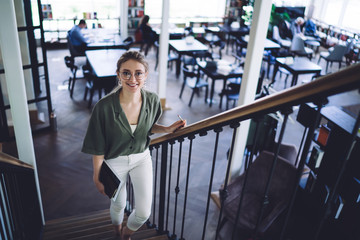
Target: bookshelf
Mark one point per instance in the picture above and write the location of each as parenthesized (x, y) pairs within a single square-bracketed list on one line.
[(332, 140), (135, 13), (55, 30), (233, 11)]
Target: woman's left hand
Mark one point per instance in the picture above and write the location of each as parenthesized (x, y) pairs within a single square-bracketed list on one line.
[(176, 126)]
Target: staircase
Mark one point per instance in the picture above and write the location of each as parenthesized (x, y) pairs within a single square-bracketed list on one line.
[(95, 225)]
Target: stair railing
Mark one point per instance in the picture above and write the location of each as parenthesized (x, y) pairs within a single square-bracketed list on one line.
[(177, 196), (20, 216)]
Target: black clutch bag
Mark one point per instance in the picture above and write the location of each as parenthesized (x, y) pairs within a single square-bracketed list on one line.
[(110, 181)]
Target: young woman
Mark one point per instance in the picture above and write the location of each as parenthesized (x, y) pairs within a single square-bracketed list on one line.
[(118, 132)]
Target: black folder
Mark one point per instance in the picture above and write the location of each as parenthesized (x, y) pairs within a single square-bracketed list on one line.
[(110, 180)]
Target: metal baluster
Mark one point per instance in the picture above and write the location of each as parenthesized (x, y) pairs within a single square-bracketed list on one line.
[(332, 198), (162, 190), (254, 145), (247, 173), (177, 189), (223, 193), (191, 138), (301, 144), (169, 184), (155, 185), (304, 154), (265, 199), (217, 131)]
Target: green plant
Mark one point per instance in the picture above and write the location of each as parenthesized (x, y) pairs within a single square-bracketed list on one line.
[(276, 17)]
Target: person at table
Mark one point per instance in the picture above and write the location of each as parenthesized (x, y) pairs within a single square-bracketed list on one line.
[(310, 29), (76, 37), (149, 36), (296, 26), (119, 133)]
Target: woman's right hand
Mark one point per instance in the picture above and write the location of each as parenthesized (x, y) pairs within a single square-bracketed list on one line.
[(97, 162), (100, 187)]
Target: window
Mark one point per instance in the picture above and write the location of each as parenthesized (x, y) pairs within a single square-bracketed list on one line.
[(186, 10)]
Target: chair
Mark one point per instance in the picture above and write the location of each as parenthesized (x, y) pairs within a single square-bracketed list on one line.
[(217, 44), (93, 83), (285, 43), (336, 55), (279, 194), (193, 80), (232, 89), (298, 47), (210, 37), (128, 42), (70, 64), (231, 92), (172, 56)]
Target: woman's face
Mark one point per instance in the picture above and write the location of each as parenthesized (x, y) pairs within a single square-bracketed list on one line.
[(132, 75)]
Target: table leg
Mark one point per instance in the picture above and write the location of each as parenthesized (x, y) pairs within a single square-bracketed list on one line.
[(294, 79), (227, 43), (178, 65), (212, 92), (276, 68)]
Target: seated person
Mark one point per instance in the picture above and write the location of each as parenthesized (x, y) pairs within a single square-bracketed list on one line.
[(296, 26), (149, 36), (77, 39), (284, 29), (310, 29)]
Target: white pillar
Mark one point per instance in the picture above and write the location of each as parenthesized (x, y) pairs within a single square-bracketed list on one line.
[(163, 53), (254, 55), (124, 18), (10, 48)]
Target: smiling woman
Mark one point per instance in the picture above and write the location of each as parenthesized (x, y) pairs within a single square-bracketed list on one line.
[(119, 133)]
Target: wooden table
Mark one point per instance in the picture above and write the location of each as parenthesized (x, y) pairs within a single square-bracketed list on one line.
[(103, 62), (219, 70), (269, 44), (296, 67), (103, 39), (235, 32), (182, 47)]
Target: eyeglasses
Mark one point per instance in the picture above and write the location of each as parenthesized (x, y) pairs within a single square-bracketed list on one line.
[(126, 75)]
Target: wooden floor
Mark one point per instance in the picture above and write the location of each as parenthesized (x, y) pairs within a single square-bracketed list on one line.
[(65, 174)]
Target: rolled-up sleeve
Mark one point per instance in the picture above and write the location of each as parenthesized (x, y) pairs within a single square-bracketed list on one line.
[(94, 141)]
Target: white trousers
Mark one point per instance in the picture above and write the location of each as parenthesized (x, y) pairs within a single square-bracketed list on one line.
[(139, 166)]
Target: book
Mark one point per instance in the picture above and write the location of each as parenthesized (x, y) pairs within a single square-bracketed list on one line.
[(310, 183), (110, 180), (315, 157), (323, 135)]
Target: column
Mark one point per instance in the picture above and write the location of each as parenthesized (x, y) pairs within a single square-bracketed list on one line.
[(254, 55)]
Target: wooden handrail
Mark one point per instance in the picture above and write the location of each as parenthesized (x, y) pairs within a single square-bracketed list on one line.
[(5, 158), (341, 81)]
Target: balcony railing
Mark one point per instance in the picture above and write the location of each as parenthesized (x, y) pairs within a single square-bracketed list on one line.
[(191, 166), (20, 216)]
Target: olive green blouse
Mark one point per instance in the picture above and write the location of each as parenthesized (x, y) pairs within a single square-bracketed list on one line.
[(109, 131)]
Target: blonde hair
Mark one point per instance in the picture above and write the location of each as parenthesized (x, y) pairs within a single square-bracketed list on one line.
[(130, 55)]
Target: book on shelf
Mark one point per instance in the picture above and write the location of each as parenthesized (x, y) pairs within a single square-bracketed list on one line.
[(315, 157), (310, 183), (323, 135), (110, 180)]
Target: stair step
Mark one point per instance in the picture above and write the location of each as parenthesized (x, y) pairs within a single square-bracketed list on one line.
[(92, 226), (76, 218), (144, 234), (161, 237)]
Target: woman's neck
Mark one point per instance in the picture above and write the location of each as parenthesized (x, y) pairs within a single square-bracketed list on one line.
[(127, 97)]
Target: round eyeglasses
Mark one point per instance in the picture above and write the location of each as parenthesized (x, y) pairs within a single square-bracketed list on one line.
[(126, 75)]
